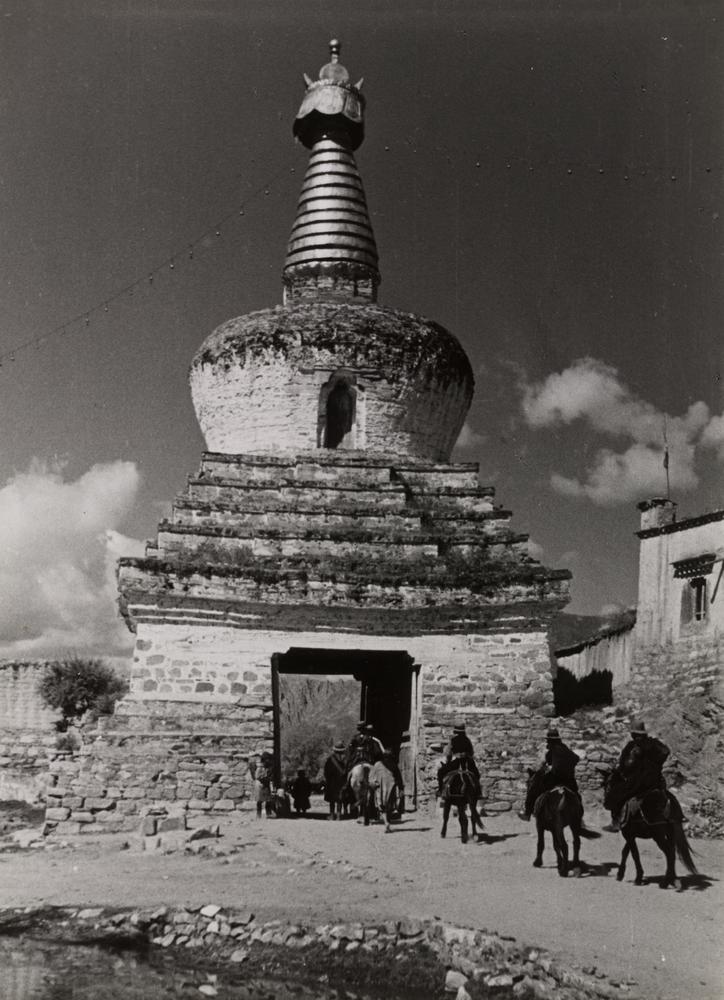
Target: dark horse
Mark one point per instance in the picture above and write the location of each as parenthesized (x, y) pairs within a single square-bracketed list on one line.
[(460, 789), (554, 811), (664, 826)]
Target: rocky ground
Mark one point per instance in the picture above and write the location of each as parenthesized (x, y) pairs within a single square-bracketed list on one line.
[(311, 897)]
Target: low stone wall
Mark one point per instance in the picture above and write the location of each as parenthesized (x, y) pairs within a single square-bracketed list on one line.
[(122, 774)]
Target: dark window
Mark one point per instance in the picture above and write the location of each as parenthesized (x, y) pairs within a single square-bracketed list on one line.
[(698, 586), (340, 415), (694, 600)]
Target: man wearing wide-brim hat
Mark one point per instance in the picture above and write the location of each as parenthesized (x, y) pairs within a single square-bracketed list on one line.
[(458, 748), (641, 766), (359, 750), (557, 768), (335, 778)]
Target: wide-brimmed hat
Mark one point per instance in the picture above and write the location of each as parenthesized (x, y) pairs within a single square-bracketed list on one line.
[(361, 726), (638, 728), (459, 727), (553, 734), (339, 745)]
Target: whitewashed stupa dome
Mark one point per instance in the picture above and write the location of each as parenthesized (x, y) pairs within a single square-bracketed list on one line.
[(330, 368)]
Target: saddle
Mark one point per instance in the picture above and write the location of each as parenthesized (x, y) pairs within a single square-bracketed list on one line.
[(653, 807), (538, 805), (466, 776)]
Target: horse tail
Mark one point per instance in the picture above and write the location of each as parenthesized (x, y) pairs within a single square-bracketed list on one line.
[(683, 849)]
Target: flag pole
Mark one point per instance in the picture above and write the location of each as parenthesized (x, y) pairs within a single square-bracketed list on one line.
[(666, 462)]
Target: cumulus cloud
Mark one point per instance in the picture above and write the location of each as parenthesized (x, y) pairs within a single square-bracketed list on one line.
[(58, 548), (468, 438), (713, 436), (592, 392)]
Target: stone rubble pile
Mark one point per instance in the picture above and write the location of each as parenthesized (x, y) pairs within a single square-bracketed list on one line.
[(469, 958)]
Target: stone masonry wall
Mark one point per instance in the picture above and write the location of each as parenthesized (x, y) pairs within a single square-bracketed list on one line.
[(113, 782), (27, 731), (678, 691), (191, 749), (691, 665), (501, 688)]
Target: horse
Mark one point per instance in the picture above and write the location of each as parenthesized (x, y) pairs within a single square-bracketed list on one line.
[(385, 792), (554, 810), (664, 826), (460, 789), (359, 783)]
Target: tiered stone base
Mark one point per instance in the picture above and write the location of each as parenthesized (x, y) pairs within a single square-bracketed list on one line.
[(404, 574)]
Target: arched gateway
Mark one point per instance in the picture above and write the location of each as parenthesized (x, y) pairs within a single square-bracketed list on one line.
[(326, 532)]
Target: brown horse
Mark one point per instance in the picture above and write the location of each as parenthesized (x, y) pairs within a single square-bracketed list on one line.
[(555, 810), (656, 816), (460, 789)]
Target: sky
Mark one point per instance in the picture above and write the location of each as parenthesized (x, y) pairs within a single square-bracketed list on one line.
[(544, 179)]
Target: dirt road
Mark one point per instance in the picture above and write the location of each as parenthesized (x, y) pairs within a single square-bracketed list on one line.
[(309, 870)]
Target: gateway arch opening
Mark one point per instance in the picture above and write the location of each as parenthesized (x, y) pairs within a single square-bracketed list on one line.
[(385, 695)]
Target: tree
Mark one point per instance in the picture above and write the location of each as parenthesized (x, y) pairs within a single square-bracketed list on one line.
[(79, 686)]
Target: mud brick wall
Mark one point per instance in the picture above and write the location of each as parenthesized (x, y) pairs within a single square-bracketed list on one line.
[(27, 731), (21, 707), (24, 765)]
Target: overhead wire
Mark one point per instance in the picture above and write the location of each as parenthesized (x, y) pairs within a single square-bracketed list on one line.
[(82, 319)]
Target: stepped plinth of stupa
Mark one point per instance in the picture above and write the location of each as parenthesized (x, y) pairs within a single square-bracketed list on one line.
[(326, 531)]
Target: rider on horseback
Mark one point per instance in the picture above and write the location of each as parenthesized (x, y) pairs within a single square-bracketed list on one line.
[(458, 755), (360, 749), (388, 758), (558, 768), (641, 767)]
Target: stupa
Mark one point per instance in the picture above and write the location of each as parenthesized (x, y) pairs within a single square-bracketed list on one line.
[(327, 531)]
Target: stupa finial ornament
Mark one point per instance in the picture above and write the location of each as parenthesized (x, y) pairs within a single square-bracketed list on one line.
[(332, 106), (331, 252)]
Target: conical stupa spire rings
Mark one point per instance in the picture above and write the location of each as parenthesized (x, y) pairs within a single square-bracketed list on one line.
[(332, 222), (331, 250)]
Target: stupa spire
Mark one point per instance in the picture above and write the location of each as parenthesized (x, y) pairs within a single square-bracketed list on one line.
[(331, 251)]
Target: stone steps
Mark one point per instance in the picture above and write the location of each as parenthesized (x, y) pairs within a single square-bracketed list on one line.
[(289, 539), (390, 498), (361, 468), (305, 514)]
